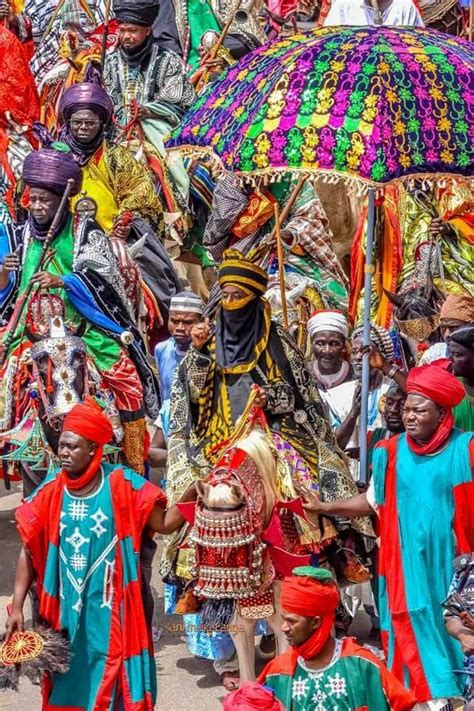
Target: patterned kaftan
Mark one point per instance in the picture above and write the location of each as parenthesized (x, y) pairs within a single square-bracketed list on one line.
[(162, 86), (354, 680), (337, 687), (86, 561), (85, 553)]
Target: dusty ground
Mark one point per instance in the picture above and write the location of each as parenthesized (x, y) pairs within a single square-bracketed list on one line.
[(183, 681)]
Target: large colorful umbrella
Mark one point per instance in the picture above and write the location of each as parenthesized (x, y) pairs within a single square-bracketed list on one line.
[(368, 104), (371, 103)]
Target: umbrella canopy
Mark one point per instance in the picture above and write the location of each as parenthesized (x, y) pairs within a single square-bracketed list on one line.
[(369, 103)]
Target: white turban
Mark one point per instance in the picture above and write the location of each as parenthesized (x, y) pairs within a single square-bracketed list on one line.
[(328, 321)]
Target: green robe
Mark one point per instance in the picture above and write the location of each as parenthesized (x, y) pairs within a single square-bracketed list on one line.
[(354, 680), (103, 349)]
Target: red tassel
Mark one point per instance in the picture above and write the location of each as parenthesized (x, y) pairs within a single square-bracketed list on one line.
[(49, 381)]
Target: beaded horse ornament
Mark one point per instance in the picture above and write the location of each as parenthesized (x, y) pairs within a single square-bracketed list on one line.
[(232, 561)]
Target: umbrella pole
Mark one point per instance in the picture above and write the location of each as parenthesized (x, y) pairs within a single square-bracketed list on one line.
[(471, 19), (281, 266), (368, 272)]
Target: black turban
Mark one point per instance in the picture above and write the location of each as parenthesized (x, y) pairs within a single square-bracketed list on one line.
[(137, 12)]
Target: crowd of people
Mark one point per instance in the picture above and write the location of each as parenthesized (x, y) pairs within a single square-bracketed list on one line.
[(173, 362)]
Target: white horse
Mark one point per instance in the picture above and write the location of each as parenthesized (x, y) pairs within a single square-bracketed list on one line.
[(252, 486)]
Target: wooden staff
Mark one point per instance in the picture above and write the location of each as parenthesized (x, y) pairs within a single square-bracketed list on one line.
[(281, 266), (226, 29), (13, 325), (105, 36), (215, 49), (471, 19), (285, 213)]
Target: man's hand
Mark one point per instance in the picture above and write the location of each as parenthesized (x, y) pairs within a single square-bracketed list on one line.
[(200, 334), (11, 262), (15, 623), (467, 620), (122, 231), (466, 638), (144, 113), (355, 407), (438, 228), (376, 359), (190, 494), (44, 280), (215, 65), (311, 502), (261, 399)]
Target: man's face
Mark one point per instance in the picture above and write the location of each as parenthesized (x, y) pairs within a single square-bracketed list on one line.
[(357, 353), (43, 205), (75, 453), (231, 294), (328, 348), (298, 628), (393, 410), (448, 326), (180, 324), (85, 125), (421, 417), (132, 36), (463, 360)]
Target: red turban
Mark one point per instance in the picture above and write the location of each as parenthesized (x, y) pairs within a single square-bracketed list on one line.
[(311, 592), (436, 383), (88, 421), (252, 697)]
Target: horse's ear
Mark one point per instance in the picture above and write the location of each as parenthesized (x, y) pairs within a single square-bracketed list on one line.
[(236, 490), (394, 298), (430, 289), (202, 489), (31, 337)]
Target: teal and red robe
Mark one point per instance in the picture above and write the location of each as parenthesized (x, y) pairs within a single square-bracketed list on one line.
[(356, 681), (426, 510), (85, 552)]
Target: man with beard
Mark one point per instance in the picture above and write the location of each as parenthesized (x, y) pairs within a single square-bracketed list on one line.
[(392, 411), (186, 310), (344, 400), (149, 86), (328, 331)]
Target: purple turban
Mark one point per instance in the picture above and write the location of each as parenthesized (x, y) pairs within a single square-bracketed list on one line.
[(51, 168), (138, 12), (86, 96)]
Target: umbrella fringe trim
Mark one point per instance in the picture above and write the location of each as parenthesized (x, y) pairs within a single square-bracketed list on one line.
[(264, 176)]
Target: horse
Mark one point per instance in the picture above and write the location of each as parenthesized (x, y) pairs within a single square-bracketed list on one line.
[(416, 315), (234, 572), (51, 376)]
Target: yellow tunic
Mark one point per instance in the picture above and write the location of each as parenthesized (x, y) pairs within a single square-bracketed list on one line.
[(118, 183)]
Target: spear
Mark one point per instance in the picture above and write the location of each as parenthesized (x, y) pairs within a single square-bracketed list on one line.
[(281, 266), (105, 36)]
